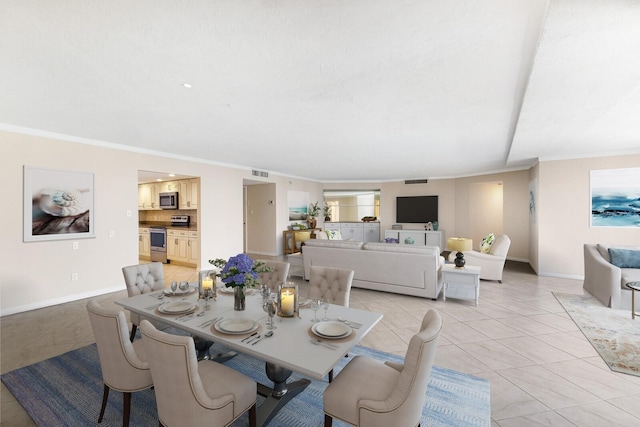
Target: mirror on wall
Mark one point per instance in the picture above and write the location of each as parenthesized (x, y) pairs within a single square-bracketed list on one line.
[(352, 205)]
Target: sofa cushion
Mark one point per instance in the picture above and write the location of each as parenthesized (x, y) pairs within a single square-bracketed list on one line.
[(603, 250), (487, 241), (345, 244), (629, 275), (385, 247), (624, 258)]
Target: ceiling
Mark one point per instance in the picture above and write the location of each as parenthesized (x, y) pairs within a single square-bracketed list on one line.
[(355, 90)]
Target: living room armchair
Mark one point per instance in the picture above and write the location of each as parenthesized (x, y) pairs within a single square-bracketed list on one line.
[(491, 264)]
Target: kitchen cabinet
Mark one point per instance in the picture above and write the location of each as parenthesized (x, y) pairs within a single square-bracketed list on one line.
[(169, 186), (183, 246), (194, 248), (144, 243), (148, 197), (188, 193)]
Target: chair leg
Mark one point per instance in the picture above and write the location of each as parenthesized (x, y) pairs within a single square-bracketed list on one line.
[(105, 396), (134, 328), (126, 409), (328, 421), (253, 416)]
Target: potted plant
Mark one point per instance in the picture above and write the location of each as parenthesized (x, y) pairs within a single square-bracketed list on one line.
[(326, 210), (239, 272), (314, 211)]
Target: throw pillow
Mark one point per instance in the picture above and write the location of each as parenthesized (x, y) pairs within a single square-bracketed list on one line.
[(487, 241), (334, 235), (625, 258)]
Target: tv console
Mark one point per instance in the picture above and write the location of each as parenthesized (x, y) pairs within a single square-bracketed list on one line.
[(420, 237)]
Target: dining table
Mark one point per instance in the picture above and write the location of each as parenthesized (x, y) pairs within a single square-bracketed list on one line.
[(297, 344)]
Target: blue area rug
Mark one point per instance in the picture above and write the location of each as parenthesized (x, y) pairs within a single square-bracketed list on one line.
[(67, 391)]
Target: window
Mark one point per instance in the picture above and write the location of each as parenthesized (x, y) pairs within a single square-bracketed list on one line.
[(352, 205)]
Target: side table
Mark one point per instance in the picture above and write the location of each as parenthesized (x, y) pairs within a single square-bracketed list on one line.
[(461, 283), (634, 286)]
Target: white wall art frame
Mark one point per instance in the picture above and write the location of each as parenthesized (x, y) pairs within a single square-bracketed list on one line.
[(615, 198), (58, 204)]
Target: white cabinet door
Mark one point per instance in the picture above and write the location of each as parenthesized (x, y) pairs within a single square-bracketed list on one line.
[(371, 232), (406, 236), (194, 248), (352, 230), (435, 238)]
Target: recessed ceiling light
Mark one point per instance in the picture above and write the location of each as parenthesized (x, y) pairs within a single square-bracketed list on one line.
[(172, 174), (187, 85)]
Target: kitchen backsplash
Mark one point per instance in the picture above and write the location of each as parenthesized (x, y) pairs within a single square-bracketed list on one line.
[(165, 215)]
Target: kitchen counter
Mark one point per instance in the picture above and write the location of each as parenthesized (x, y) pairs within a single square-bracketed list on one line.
[(147, 224)]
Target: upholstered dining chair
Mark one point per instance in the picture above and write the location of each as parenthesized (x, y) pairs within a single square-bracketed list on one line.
[(123, 363), (192, 393), (330, 283), (370, 393), (278, 274), (140, 279), (491, 264)]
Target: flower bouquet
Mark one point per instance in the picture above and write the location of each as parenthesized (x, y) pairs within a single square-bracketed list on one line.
[(238, 272)]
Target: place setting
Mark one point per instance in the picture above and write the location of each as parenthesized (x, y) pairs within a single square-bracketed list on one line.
[(179, 289)]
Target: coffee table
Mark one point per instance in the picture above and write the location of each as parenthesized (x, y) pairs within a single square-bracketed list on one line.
[(461, 283), (634, 286)]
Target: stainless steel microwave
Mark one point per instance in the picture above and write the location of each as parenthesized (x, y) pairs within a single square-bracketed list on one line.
[(169, 200)]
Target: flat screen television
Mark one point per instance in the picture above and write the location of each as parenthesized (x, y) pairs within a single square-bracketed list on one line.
[(416, 209)]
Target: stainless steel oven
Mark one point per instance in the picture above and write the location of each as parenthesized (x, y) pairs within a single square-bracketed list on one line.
[(158, 238)]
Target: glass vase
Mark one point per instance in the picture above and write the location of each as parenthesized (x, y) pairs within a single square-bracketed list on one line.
[(239, 298)]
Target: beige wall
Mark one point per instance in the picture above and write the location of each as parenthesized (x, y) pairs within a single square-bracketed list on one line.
[(38, 274), (564, 212)]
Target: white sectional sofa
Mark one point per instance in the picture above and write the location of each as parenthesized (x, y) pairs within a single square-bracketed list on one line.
[(401, 269), (606, 281)]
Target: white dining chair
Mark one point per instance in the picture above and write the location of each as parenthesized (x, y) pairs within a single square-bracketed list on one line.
[(278, 274), (371, 393), (192, 393), (123, 363), (330, 283), (141, 279)]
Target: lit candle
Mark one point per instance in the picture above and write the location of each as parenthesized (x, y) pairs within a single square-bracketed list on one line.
[(207, 283), (286, 303)]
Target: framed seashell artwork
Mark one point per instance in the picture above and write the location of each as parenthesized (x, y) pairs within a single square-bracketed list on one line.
[(58, 204)]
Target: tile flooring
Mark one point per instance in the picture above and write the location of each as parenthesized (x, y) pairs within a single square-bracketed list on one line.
[(542, 370)]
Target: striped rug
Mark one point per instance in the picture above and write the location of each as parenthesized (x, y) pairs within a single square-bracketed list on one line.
[(67, 390)]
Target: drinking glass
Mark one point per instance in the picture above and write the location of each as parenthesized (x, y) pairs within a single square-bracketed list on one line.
[(174, 286), (208, 293), (315, 306), (270, 306), (325, 307)]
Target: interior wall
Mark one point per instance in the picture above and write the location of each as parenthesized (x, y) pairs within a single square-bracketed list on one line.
[(534, 201), (38, 274), (486, 214), (564, 212)]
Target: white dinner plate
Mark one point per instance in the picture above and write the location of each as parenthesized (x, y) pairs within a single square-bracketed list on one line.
[(331, 329), (236, 326), (177, 307), (304, 302), (179, 292)]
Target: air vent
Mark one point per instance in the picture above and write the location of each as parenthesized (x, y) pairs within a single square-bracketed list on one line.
[(416, 181), (261, 174)]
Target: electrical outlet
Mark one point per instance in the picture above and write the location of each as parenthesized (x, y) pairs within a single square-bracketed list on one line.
[(112, 234), (76, 245), (74, 276), (129, 213)]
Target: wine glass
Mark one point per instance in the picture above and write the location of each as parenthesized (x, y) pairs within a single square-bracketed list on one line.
[(270, 306), (325, 307), (183, 286), (207, 294), (315, 306), (174, 286)]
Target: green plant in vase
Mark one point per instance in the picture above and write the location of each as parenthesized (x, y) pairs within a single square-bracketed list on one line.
[(314, 211)]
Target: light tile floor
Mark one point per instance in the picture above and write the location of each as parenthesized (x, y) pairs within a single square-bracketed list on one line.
[(541, 368)]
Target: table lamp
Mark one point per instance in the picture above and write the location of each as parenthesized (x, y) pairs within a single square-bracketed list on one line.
[(459, 244)]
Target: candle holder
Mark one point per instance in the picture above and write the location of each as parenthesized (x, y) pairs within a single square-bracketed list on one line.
[(207, 285), (288, 300)]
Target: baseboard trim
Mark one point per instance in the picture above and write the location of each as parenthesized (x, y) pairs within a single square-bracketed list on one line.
[(61, 300), (560, 275)]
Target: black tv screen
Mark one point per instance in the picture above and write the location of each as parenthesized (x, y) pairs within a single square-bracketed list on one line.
[(416, 209)]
